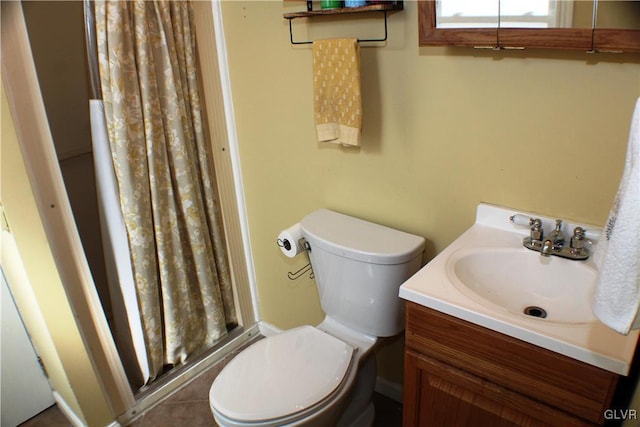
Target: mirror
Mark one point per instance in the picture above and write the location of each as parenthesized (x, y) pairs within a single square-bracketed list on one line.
[(591, 25), (514, 14), (617, 25), (622, 15), (467, 14)]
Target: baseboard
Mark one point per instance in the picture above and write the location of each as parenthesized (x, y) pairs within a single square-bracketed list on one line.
[(389, 389), (267, 329), (73, 418)]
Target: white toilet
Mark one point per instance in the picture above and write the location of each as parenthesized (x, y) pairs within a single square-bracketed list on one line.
[(325, 375)]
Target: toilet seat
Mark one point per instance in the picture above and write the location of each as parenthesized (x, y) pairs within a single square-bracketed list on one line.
[(281, 376)]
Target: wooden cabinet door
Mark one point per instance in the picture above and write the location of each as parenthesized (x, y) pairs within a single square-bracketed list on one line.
[(439, 395), (557, 381)]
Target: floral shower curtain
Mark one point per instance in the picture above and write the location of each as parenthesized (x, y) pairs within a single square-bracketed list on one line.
[(148, 74)]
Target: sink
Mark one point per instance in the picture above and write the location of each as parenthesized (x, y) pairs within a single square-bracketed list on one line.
[(522, 282), (486, 277)]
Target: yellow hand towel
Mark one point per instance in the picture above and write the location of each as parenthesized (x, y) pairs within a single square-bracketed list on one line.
[(336, 87)]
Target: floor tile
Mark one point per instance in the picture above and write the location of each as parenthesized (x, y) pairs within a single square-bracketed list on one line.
[(190, 407), (192, 414), (51, 417), (197, 413), (197, 389)]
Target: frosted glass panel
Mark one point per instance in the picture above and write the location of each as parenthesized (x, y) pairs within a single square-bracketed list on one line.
[(514, 13), (528, 14), (467, 13)]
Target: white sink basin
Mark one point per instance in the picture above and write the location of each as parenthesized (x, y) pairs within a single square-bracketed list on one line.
[(523, 282), (488, 278)]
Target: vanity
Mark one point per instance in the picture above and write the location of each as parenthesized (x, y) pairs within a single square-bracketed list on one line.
[(477, 354)]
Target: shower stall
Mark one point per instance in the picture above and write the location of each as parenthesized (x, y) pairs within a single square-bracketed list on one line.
[(101, 221)]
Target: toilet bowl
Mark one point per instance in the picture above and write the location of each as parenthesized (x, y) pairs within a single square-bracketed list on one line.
[(301, 376), (325, 375)]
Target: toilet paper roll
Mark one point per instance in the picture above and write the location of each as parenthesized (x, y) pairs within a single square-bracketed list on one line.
[(288, 240)]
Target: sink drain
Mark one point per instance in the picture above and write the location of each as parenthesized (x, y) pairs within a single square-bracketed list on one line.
[(534, 311)]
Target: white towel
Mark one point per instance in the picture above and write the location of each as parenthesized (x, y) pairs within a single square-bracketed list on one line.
[(617, 298)]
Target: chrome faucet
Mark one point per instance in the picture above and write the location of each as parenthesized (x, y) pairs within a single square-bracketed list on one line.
[(547, 247), (553, 244), (556, 236)]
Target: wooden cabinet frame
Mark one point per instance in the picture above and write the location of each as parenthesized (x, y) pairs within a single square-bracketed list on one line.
[(456, 366), (586, 39)]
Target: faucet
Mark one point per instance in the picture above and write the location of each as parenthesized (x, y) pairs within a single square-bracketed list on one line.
[(553, 244), (556, 236)]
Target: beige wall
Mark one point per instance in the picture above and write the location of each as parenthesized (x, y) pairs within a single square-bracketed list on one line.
[(56, 36), (39, 293), (444, 129)]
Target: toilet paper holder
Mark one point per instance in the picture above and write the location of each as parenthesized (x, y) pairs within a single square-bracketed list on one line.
[(297, 274), (284, 243)]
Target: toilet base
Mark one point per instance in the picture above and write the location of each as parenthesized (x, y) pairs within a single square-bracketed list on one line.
[(359, 410), (366, 419)]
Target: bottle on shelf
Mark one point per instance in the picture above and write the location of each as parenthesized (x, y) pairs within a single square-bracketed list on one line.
[(354, 3), (330, 4)]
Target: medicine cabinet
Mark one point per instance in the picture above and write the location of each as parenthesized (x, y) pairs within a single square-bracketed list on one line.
[(593, 25)]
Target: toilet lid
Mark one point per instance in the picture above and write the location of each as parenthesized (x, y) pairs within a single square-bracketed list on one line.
[(281, 375)]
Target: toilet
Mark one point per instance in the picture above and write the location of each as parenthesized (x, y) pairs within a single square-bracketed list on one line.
[(325, 375)]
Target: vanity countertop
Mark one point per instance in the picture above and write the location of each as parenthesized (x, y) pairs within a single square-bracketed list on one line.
[(590, 342)]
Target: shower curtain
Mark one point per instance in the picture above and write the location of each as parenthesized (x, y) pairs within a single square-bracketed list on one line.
[(166, 193)]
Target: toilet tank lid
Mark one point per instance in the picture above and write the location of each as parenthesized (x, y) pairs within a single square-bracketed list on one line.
[(361, 240)]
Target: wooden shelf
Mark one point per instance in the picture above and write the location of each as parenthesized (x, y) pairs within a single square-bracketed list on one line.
[(384, 7)]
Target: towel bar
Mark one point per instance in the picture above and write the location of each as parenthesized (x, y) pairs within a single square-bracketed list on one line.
[(359, 40), (383, 7)]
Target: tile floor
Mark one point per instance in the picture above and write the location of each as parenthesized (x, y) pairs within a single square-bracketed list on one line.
[(194, 413), (189, 406)]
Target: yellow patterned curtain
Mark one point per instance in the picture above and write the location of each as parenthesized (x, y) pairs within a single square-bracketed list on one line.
[(165, 176)]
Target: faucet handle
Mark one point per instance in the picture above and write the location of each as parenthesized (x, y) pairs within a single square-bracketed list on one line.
[(519, 219), (534, 224), (577, 241), (558, 228), (582, 236), (536, 229), (556, 234), (592, 234)]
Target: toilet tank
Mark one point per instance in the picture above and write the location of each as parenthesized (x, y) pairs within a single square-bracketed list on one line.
[(359, 267)]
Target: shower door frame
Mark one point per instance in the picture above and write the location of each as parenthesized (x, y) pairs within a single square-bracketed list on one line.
[(23, 91)]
